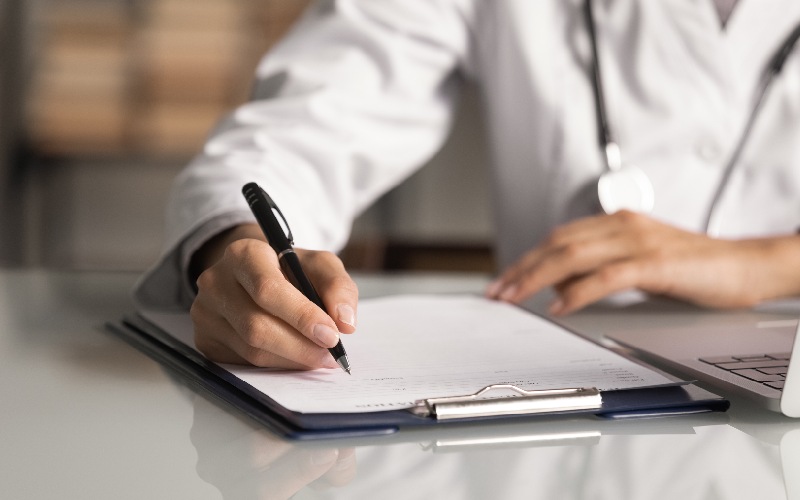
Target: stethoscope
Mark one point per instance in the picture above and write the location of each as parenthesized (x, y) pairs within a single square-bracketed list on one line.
[(626, 186)]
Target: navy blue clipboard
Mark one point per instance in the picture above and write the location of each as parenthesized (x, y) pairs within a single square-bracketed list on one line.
[(208, 377)]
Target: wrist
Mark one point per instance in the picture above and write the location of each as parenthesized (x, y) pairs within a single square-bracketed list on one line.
[(775, 268), (212, 250)]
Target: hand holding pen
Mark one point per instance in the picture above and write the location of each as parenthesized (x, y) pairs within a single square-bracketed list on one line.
[(247, 312), (279, 236)]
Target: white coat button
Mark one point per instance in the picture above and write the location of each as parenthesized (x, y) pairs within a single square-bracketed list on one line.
[(708, 151)]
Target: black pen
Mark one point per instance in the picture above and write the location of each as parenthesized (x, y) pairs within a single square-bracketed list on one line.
[(280, 239)]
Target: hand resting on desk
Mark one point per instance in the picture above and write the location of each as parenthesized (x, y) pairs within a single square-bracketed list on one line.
[(246, 312), (591, 258)]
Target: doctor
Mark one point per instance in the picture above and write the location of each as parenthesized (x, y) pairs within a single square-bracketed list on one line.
[(635, 144)]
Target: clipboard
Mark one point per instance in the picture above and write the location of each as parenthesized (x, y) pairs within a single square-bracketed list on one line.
[(212, 379)]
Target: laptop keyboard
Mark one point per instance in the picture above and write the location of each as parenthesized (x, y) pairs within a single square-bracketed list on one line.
[(768, 369)]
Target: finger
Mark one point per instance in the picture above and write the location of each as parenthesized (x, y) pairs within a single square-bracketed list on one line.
[(260, 342), (236, 325), (267, 339), (503, 285), (256, 268), (337, 290), (568, 235), (565, 263), (582, 291), (622, 231)]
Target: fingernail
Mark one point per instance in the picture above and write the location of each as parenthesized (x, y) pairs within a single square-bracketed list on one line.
[(325, 335), (346, 314), (556, 307), (494, 288), (508, 293)]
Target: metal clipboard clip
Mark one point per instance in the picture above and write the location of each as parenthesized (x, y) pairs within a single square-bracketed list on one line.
[(521, 402)]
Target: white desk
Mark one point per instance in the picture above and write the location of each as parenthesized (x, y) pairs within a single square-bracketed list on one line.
[(85, 416)]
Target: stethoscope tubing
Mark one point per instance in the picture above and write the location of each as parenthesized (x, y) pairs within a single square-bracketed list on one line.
[(611, 149)]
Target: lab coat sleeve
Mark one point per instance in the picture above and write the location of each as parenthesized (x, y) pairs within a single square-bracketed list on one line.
[(350, 103)]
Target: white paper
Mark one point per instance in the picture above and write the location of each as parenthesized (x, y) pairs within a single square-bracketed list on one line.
[(414, 347)]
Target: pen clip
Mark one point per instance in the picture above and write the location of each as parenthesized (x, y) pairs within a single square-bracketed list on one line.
[(281, 219), (252, 199)]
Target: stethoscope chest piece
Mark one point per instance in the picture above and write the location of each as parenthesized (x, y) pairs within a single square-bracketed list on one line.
[(627, 188), (621, 186)]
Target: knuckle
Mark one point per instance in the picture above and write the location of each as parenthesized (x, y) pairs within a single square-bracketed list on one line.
[(345, 284), (572, 251), (265, 288), (632, 219), (251, 331), (236, 250), (207, 280), (255, 356), (556, 237), (306, 316), (626, 216), (246, 249), (322, 256), (609, 276), (323, 260)]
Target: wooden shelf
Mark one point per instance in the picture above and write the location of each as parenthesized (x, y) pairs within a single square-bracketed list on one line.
[(144, 78)]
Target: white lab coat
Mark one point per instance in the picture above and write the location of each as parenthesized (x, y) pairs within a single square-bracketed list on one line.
[(362, 92)]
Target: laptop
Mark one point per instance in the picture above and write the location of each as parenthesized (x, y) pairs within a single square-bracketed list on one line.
[(750, 357)]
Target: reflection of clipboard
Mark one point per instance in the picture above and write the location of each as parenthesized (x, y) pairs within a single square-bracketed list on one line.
[(533, 405), (565, 431)]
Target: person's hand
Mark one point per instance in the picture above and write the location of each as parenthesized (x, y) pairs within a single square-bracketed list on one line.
[(591, 258), (246, 312)]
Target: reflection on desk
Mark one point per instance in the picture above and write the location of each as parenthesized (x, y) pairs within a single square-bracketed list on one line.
[(687, 458), (86, 416)]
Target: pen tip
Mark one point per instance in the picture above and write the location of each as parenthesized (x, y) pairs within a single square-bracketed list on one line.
[(342, 362)]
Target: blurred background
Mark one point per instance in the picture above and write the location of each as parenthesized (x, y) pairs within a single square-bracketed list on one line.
[(102, 102)]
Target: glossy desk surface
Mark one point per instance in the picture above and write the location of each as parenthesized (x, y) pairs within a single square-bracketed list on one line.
[(86, 416)]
